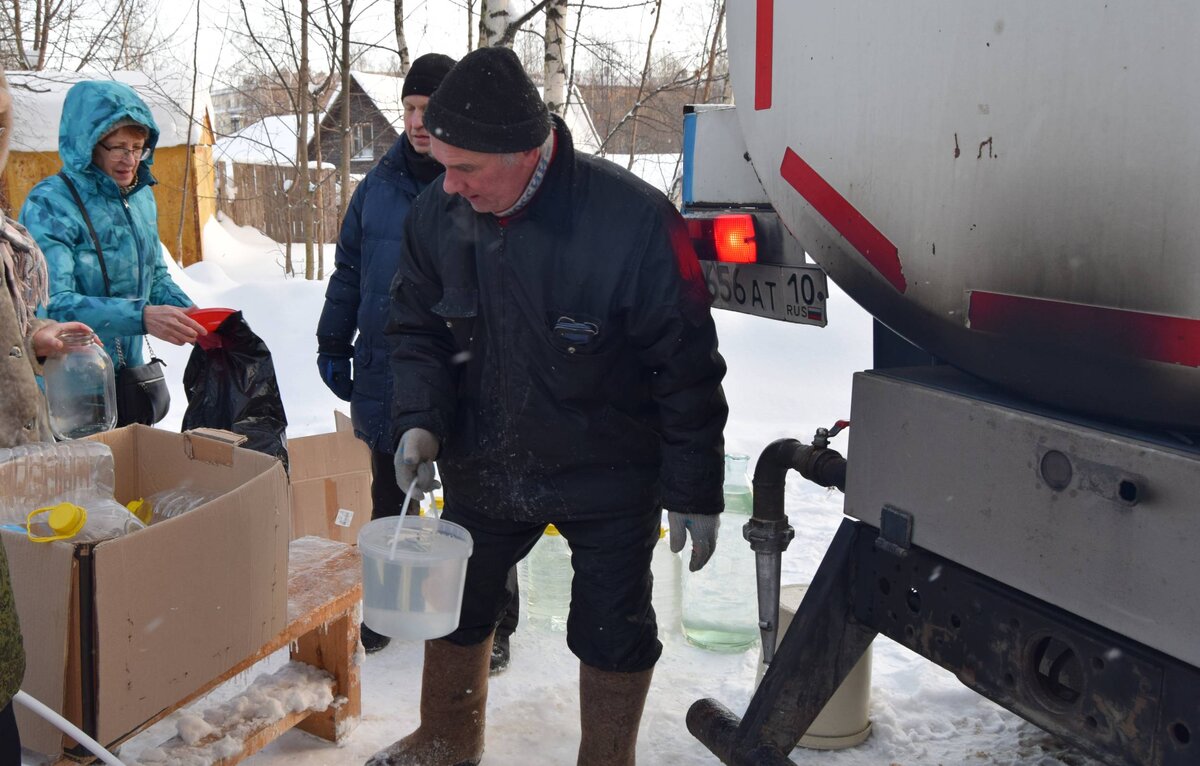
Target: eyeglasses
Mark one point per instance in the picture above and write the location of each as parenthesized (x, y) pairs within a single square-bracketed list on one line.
[(141, 153)]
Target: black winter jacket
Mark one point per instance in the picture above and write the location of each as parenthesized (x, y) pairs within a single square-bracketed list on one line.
[(357, 296), (566, 356)]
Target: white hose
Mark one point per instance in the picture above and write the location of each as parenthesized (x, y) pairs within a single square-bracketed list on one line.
[(95, 747)]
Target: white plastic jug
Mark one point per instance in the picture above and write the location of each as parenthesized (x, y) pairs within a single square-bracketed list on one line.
[(414, 568)]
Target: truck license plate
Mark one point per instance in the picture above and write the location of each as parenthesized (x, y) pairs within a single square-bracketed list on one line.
[(787, 293)]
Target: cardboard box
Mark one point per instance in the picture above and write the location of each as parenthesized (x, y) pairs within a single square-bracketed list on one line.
[(118, 631), (331, 483)]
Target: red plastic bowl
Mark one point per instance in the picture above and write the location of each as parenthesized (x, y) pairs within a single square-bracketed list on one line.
[(211, 319)]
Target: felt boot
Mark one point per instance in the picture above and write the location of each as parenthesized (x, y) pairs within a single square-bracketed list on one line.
[(454, 685), (610, 712)]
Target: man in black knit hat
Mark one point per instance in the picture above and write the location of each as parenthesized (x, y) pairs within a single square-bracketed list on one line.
[(553, 351), (356, 301)]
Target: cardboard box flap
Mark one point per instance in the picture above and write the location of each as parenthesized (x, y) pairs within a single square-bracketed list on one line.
[(331, 483), (212, 445), (332, 454), (149, 460)]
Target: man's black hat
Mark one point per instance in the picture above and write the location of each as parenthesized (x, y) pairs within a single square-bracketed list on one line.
[(425, 75), (488, 104)]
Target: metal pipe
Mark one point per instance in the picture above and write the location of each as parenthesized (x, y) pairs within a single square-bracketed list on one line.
[(768, 531), (716, 727), (769, 534)]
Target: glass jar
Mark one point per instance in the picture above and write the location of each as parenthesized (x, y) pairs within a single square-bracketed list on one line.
[(548, 586), (720, 602), (81, 387)]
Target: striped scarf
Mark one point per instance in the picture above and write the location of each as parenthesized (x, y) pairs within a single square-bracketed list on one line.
[(30, 283), (535, 181)]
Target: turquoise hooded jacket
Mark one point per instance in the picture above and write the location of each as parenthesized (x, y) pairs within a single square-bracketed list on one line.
[(126, 224)]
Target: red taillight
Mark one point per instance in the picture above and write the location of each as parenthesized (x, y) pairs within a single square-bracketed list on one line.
[(734, 235), (727, 238)]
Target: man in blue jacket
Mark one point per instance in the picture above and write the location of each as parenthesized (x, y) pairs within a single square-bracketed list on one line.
[(357, 299)]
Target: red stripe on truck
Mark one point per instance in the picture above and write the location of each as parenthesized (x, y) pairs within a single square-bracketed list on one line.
[(764, 50), (1159, 337), (851, 224)]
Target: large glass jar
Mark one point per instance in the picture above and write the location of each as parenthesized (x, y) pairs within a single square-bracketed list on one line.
[(81, 387), (720, 602)]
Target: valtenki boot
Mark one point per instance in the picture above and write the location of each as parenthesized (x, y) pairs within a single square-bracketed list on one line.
[(610, 712), (454, 685)]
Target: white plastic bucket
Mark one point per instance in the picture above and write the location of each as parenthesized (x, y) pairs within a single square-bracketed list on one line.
[(414, 568), (843, 722)]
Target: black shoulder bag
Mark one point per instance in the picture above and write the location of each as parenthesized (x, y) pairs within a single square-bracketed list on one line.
[(142, 393)]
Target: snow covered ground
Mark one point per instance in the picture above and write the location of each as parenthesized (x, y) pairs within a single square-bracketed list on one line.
[(783, 381)]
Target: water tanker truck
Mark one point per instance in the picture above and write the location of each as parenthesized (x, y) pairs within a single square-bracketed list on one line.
[(1012, 190)]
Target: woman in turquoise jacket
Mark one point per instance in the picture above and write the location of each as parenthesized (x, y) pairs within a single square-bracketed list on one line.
[(106, 140)]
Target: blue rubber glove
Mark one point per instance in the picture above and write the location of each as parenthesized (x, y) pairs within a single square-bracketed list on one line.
[(335, 371), (703, 528)]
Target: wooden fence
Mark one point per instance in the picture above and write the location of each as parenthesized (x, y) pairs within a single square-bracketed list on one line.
[(257, 196)]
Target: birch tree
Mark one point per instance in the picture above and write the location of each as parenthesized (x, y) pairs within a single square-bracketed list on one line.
[(401, 42), (344, 64), (493, 22), (470, 25), (498, 27), (554, 74), (304, 98)]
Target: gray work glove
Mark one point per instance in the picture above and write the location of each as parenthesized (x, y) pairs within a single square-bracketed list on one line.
[(703, 529), (414, 460)]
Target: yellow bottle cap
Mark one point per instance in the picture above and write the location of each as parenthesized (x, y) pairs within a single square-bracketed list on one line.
[(141, 509), (65, 519), (662, 531), (552, 530)]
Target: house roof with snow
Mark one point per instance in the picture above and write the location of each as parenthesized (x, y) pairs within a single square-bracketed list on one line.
[(270, 141), (38, 98), (384, 92)]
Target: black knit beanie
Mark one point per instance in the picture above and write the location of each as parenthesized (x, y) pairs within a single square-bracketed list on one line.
[(488, 104), (425, 75)]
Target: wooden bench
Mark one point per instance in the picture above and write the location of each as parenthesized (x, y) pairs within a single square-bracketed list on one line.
[(324, 591)]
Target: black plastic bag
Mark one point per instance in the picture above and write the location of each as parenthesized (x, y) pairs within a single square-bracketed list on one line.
[(230, 383)]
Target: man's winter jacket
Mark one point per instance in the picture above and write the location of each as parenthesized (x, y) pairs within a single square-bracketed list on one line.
[(126, 224), (357, 298), (566, 356)]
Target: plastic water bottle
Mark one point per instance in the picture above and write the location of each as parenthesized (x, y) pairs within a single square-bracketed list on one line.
[(81, 387), (549, 581), (720, 602), (170, 503), (93, 519), (667, 598), (41, 474)]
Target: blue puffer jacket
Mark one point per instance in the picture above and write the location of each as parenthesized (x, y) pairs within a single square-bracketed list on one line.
[(127, 225), (357, 297)]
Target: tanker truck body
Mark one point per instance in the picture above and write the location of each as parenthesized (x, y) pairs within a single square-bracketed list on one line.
[(1012, 188)]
